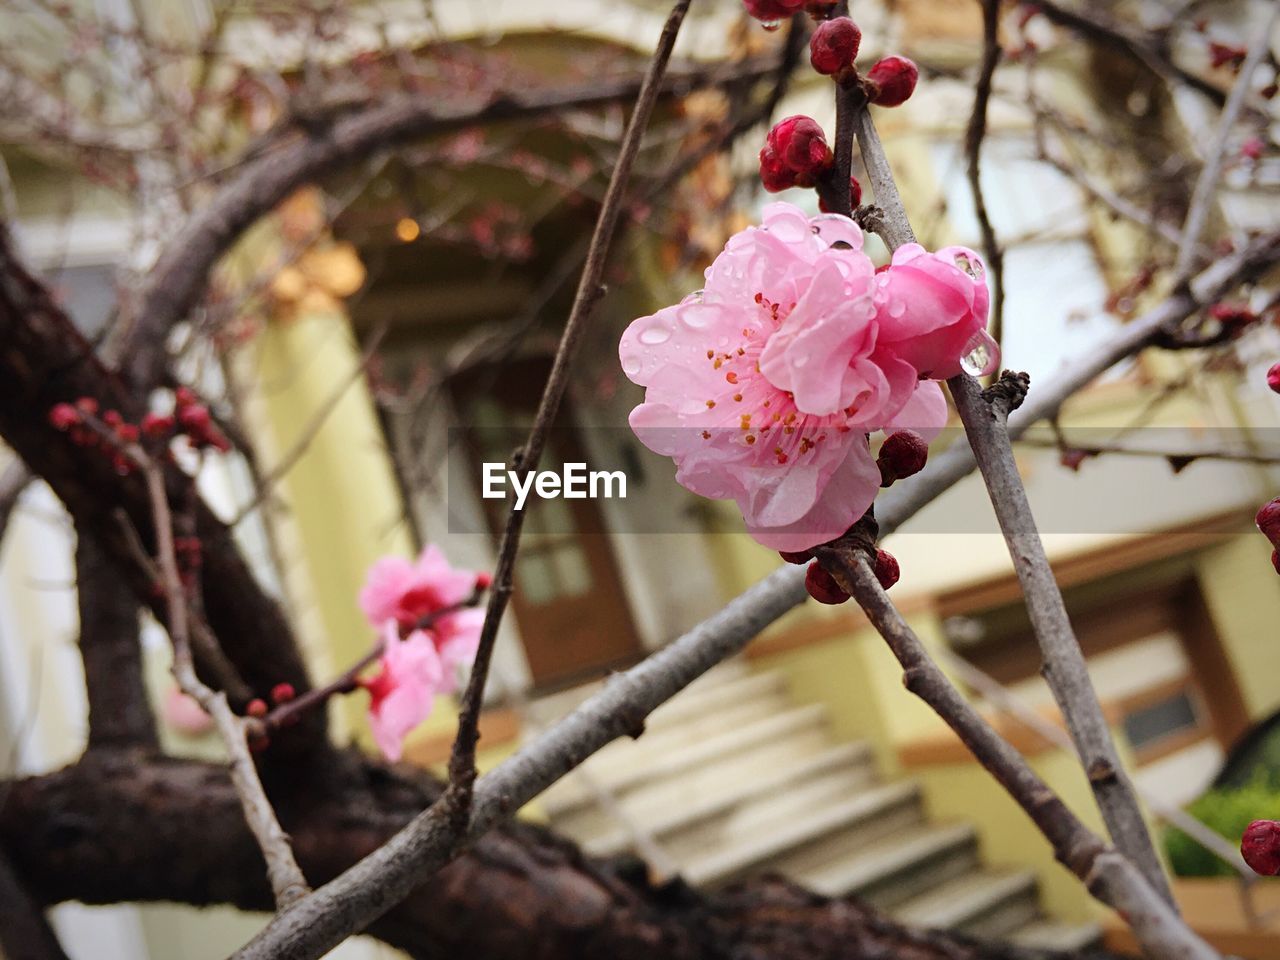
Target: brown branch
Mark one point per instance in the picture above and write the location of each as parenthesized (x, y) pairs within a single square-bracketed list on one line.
[(287, 881), (985, 418), (462, 771), (1138, 48), (25, 933), (119, 714), (304, 155), (1109, 876), (974, 136), (1206, 187), (46, 361)]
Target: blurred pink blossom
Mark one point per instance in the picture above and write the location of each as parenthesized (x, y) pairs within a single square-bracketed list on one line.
[(404, 689)]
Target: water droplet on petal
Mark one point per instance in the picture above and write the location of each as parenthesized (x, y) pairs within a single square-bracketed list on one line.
[(969, 265), (981, 355), (695, 297), (630, 365), (897, 308), (653, 335), (771, 25)]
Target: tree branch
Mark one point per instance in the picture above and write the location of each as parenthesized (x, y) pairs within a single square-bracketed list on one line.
[(1207, 183), (25, 933), (303, 155), (287, 882), (462, 771), (1109, 876), (974, 136), (119, 714)]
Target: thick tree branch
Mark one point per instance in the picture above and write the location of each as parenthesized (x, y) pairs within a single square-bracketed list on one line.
[(304, 155), (25, 934), (45, 361), (1109, 876), (119, 714), (110, 829)]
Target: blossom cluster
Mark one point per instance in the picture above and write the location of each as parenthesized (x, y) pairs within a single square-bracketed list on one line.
[(764, 386), (429, 629)]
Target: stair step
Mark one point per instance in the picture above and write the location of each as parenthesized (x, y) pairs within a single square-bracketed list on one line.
[(760, 831), (1056, 935), (891, 871), (990, 903), (697, 796), (649, 763), (699, 701)]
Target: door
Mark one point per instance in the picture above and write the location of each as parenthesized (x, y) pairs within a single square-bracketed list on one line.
[(568, 599)]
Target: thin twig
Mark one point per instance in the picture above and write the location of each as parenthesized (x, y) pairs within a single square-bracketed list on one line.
[(974, 137), (287, 881), (1108, 876), (462, 771), (1207, 183), (1178, 459)]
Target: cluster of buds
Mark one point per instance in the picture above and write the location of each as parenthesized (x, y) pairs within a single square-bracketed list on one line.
[(796, 153), (1268, 521), (1273, 378), (823, 587), (111, 433)]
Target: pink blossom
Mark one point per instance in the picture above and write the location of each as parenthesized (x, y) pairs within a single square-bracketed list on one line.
[(402, 692), (935, 305), (406, 591), (764, 386)]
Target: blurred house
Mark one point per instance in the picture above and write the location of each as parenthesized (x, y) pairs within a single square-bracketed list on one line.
[(408, 345)]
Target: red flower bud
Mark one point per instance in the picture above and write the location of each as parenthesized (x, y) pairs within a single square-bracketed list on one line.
[(801, 145), (822, 586), (774, 174), (771, 11), (63, 416), (256, 707), (834, 45), (484, 580), (887, 570), (1071, 459), (184, 396), (88, 406), (803, 556), (902, 454), (891, 81), (127, 433), (195, 417), (112, 418), (157, 424), (283, 693), (855, 197), (1234, 317), (1260, 847), (1268, 521), (1273, 377)]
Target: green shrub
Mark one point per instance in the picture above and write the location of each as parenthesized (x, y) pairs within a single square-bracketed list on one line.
[(1228, 812)]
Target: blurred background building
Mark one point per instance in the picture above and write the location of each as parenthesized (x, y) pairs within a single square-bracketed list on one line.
[(394, 330)]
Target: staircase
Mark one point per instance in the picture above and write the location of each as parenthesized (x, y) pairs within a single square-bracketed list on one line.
[(733, 778)]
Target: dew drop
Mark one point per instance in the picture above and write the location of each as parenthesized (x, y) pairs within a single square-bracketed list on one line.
[(771, 25), (981, 355), (972, 267), (897, 308), (630, 366), (696, 297), (653, 335)]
